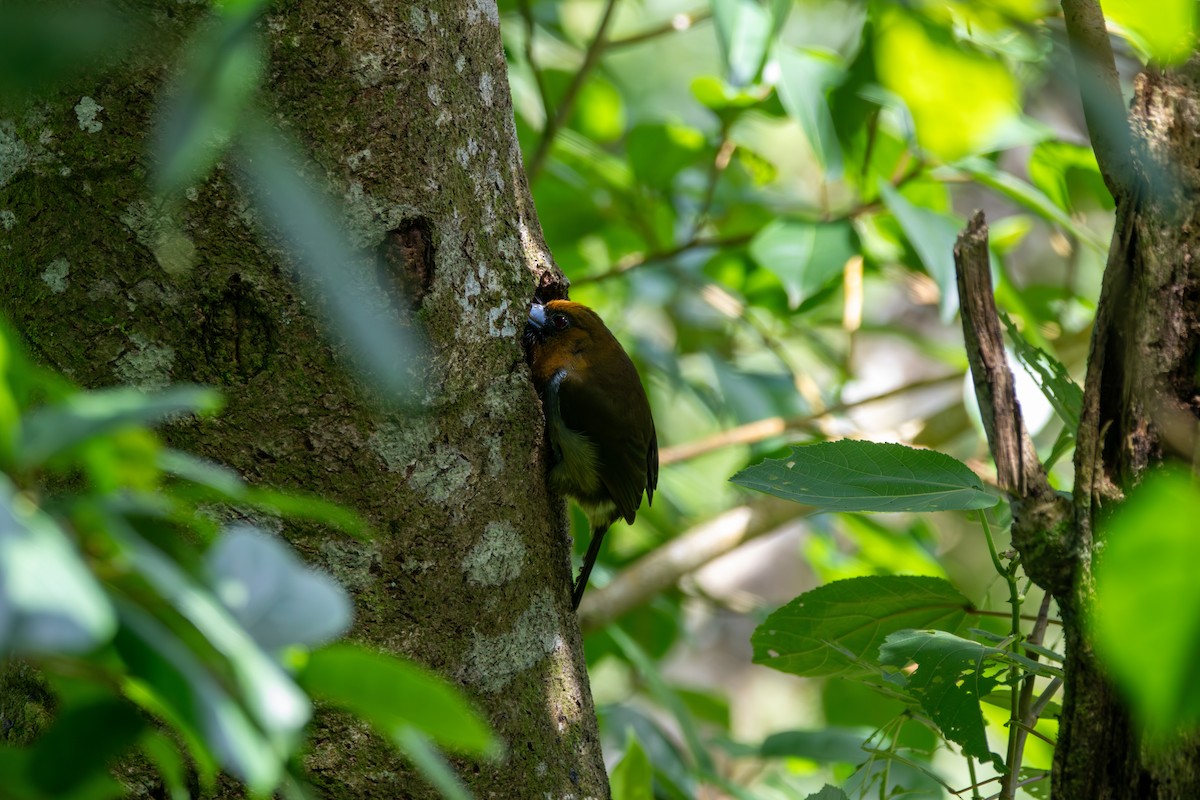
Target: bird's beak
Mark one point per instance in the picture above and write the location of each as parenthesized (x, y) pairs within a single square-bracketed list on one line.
[(537, 316)]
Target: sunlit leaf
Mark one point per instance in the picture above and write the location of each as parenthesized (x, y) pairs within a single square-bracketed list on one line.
[(599, 111), (836, 629), (951, 677), (633, 778), (806, 76), (1145, 623), (394, 695), (1069, 175), (1164, 30), (49, 601), (958, 97), (849, 475)]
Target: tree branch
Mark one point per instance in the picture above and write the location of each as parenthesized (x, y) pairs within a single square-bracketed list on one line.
[(676, 24), (1100, 91), (590, 58), (662, 568), (1039, 513), (760, 430)]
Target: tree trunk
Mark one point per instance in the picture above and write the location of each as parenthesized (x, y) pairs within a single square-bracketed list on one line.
[(404, 109), (1140, 407)]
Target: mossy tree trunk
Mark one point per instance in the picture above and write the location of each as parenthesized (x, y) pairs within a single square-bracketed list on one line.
[(404, 110), (1141, 404)]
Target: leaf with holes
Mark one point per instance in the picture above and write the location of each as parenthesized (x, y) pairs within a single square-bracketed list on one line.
[(836, 630)]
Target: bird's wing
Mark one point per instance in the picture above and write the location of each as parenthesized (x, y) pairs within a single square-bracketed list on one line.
[(620, 427)]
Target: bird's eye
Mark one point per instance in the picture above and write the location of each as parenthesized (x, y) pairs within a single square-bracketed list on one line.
[(560, 322)]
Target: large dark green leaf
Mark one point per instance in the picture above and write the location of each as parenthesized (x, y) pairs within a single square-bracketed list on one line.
[(952, 675), (79, 745), (849, 475), (837, 629)]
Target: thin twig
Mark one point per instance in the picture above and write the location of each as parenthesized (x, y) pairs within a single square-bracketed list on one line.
[(676, 24), (636, 260), (553, 124), (763, 429), (539, 78)]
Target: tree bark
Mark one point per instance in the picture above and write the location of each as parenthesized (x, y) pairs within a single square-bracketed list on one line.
[(405, 111), (1140, 408)]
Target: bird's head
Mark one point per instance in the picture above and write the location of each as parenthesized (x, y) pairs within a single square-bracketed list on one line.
[(561, 334)]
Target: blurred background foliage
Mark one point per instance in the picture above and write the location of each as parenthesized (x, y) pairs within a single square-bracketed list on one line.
[(761, 198)]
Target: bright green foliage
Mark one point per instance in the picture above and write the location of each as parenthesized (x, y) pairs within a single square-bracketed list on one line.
[(1164, 31), (632, 777), (869, 476), (837, 629), (1146, 620)]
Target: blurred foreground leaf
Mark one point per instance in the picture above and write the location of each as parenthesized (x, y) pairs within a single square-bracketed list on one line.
[(1146, 620)]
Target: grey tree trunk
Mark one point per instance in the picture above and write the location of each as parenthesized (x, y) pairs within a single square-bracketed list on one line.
[(1140, 407), (404, 109)]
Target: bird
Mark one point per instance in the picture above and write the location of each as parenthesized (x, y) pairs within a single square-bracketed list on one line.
[(603, 446)]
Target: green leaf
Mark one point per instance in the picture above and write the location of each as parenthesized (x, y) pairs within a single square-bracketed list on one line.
[(80, 744), (828, 793), (276, 597), (207, 103), (658, 151), (849, 475), (713, 93), (1165, 30), (216, 482), (1017, 190), (805, 256), (1065, 396), (632, 777), (836, 629), (824, 745), (960, 98), (50, 603), (430, 762), (933, 236), (165, 756), (393, 694), (1146, 620), (50, 430), (806, 76), (953, 674), (188, 690), (1068, 174), (340, 279), (745, 29)]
